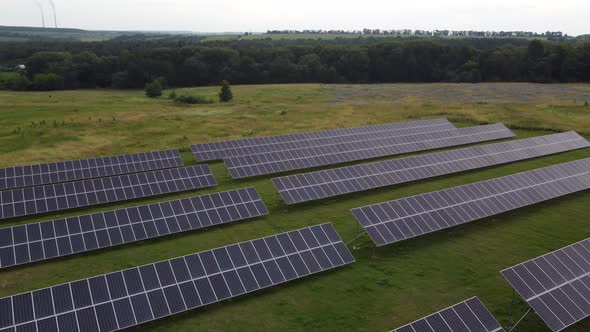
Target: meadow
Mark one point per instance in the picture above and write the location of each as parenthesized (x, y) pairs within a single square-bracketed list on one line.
[(386, 287)]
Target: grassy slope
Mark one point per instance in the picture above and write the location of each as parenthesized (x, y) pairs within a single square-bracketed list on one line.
[(386, 287)]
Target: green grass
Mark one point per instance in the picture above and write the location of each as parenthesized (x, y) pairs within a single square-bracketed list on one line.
[(386, 287)]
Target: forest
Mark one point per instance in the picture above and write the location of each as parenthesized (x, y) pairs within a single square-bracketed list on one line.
[(131, 62)]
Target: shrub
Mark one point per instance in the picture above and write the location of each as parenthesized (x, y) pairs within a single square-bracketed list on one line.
[(185, 99), (14, 81), (225, 94), (48, 82), (586, 104), (153, 89), (172, 95)]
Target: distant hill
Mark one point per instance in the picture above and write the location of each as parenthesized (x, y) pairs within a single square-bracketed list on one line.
[(23, 34)]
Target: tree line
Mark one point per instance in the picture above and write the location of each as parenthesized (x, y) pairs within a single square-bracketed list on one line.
[(176, 62), (436, 33)]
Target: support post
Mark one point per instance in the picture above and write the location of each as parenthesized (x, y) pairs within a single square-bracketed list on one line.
[(520, 320)]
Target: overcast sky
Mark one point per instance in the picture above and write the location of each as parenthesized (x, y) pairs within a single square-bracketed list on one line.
[(570, 16)]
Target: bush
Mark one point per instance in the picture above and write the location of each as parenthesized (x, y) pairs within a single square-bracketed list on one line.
[(172, 95), (225, 94), (586, 104), (185, 99), (153, 89), (48, 82), (14, 81)]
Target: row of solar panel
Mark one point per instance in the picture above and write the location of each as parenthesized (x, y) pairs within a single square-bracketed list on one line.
[(405, 218), (330, 141), (327, 183), (556, 285), (46, 240), (134, 296), (64, 171), (468, 316), (242, 147), (69, 195), (274, 162), (267, 155)]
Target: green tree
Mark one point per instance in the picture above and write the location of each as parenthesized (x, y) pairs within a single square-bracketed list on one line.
[(85, 65), (355, 66), (153, 89), (48, 82), (59, 63), (536, 50), (311, 66), (120, 80), (225, 94), (14, 81)]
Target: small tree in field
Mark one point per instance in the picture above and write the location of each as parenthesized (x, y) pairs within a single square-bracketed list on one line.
[(153, 89), (225, 94)]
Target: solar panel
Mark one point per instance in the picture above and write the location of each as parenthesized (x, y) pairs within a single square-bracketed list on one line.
[(275, 162), (69, 195), (339, 181), (406, 218), (57, 238), (467, 316), (137, 295), (73, 170), (244, 147), (556, 285)]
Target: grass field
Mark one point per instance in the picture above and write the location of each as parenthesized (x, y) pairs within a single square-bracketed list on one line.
[(387, 287)]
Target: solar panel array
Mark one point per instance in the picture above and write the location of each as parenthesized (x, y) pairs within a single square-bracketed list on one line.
[(134, 296), (556, 285), (327, 183), (46, 240), (274, 162), (73, 170), (467, 316), (406, 218), (62, 196), (244, 147)]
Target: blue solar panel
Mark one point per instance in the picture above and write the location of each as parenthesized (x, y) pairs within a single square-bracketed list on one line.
[(556, 285), (275, 162), (137, 295), (248, 146), (339, 181), (69, 195), (468, 316), (73, 170), (57, 238), (410, 217)]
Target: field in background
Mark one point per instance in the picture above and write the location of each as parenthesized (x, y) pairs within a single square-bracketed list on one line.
[(386, 287), (45, 126), (24, 34)]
